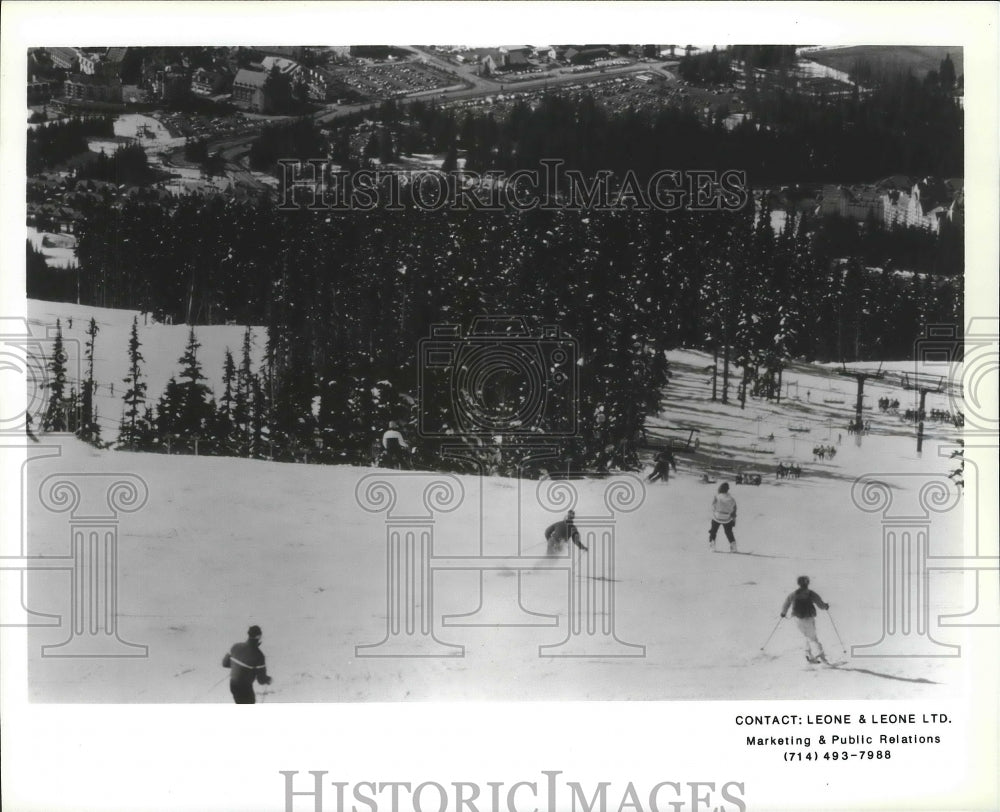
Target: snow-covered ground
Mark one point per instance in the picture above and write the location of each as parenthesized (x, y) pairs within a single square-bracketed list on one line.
[(155, 138), (147, 131), (223, 543), (161, 345), (59, 249)]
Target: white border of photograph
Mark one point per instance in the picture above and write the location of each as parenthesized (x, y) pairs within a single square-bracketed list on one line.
[(219, 757)]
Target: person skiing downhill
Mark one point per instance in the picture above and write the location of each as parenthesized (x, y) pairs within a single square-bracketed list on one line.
[(724, 515), (559, 532), (245, 662), (664, 460), (803, 602)]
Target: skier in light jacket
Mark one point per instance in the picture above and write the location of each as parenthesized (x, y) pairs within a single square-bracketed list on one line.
[(724, 515), (394, 445)]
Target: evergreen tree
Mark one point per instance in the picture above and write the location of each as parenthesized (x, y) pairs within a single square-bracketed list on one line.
[(90, 428), (277, 92), (56, 414), (243, 401), (372, 147), (946, 73), (168, 416), (186, 410), (386, 148), (132, 432), (227, 403), (450, 163), (259, 417)]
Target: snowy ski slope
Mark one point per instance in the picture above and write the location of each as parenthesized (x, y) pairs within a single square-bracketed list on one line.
[(222, 543)]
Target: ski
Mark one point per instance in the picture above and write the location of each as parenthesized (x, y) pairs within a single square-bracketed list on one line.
[(821, 660)]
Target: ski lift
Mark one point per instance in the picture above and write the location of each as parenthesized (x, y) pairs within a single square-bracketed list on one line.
[(922, 381)]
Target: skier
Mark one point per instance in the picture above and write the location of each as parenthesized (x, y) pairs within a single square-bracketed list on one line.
[(803, 602), (560, 532), (664, 462), (724, 515), (393, 443), (245, 662)]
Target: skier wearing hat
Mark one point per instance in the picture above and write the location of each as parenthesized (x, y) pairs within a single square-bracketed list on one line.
[(723, 515), (556, 534), (245, 662), (803, 602)]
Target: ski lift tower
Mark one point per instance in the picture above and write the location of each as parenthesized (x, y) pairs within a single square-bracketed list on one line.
[(861, 375), (923, 383)]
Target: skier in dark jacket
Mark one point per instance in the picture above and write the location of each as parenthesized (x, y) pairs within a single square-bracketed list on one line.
[(803, 602), (245, 662), (665, 460), (560, 532)]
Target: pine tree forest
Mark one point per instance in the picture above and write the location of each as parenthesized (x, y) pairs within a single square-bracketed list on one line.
[(348, 296)]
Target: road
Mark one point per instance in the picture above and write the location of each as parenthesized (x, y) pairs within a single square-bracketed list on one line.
[(231, 148), (483, 89)]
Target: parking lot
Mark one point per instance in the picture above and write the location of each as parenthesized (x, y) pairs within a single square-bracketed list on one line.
[(392, 80)]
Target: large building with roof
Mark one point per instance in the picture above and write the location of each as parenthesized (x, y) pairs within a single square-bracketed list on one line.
[(896, 202), (65, 58), (248, 90), (81, 87)]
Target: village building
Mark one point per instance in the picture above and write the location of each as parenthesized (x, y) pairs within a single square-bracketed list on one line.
[(172, 83), (286, 67), (322, 85), (896, 202), (924, 206), (39, 92), (248, 90), (89, 60), (65, 58), (80, 87), (583, 56), (211, 81), (851, 202)]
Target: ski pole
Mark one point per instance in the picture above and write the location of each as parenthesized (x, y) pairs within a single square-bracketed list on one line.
[(533, 546), (842, 646), (213, 687), (772, 633)]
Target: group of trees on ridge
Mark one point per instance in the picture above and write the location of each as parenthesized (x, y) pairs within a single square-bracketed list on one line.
[(346, 301), (347, 297)]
